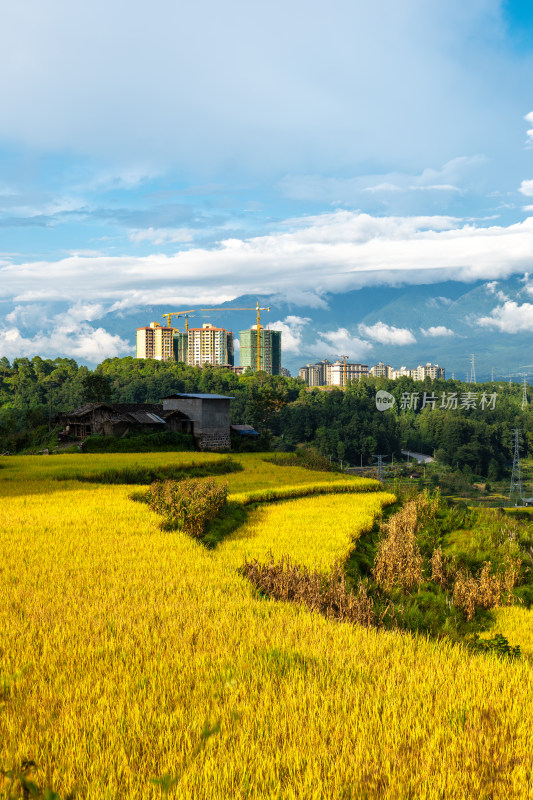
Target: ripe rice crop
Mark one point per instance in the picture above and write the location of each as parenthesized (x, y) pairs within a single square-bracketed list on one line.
[(304, 489), (314, 531), (130, 655)]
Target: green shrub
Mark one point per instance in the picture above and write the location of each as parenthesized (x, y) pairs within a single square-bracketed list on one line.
[(498, 646), (188, 505)]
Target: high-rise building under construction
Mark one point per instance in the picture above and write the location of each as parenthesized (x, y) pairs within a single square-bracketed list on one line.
[(269, 349)]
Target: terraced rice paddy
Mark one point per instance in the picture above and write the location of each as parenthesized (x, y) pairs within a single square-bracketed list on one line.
[(134, 661)]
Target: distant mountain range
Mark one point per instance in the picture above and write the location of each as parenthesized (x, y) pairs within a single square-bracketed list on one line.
[(405, 325)]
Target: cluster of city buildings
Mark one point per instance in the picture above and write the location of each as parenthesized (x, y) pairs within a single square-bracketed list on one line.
[(339, 373), (211, 345)]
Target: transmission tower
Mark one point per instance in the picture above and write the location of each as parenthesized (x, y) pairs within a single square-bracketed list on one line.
[(516, 491), (524, 394), (492, 374), (473, 368), (380, 467)]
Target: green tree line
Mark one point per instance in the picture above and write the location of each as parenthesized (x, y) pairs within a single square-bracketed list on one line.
[(342, 424)]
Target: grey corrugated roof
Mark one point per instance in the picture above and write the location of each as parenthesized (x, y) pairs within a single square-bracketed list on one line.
[(198, 396), (145, 418)]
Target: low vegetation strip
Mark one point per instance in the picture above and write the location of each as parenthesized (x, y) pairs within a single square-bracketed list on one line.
[(304, 490), (139, 474)]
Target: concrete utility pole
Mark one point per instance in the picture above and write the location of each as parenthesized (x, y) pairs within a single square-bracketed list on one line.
[(516, 491)]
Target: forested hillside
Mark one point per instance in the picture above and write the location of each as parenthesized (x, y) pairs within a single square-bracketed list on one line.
[(344, 425)]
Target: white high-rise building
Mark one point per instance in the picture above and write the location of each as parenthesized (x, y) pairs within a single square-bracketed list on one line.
[(210, 345)]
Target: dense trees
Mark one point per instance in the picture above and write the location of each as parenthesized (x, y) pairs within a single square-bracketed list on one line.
[(343, 425)]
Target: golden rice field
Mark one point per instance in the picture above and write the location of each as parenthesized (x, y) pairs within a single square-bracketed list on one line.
[(122, 646)]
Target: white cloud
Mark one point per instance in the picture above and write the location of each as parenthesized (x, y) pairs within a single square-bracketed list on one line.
[(302, 297), (69, 334), (529, 133), (526, 187), (437, 330), (292, 328), (85, 343), (340, 342), (449, 178), (387, 334), (492, 288), (333, 252), (510, 318), (437, 302), (161, 235)]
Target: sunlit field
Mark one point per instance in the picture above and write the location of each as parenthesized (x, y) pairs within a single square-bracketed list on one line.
[(135, 661)]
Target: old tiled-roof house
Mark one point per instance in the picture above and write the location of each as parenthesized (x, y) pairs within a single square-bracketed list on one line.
[(205, 416), (119, 419)]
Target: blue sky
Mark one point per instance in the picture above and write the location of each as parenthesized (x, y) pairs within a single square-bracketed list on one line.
[(189, 153)]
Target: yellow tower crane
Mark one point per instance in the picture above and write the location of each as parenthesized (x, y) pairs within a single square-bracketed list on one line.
[(178, 314), (257, 308), (344, 371)]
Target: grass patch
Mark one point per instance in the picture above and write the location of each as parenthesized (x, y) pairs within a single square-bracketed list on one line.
[(231, 517)]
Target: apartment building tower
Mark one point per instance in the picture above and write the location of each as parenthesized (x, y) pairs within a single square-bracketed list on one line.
[(209, 345), (269, 349), (326, 373), (382, 370), (155, 341)]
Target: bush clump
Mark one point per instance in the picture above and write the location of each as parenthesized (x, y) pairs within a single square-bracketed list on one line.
[(188, 505)]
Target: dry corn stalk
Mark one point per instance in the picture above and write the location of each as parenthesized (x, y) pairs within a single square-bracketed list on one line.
[(486, 591), (399, 561), (327, 593)]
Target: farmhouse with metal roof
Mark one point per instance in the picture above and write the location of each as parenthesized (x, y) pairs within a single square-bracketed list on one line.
[(210, 415)]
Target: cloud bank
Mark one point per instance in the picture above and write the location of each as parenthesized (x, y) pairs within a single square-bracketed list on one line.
[(332, 252)]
